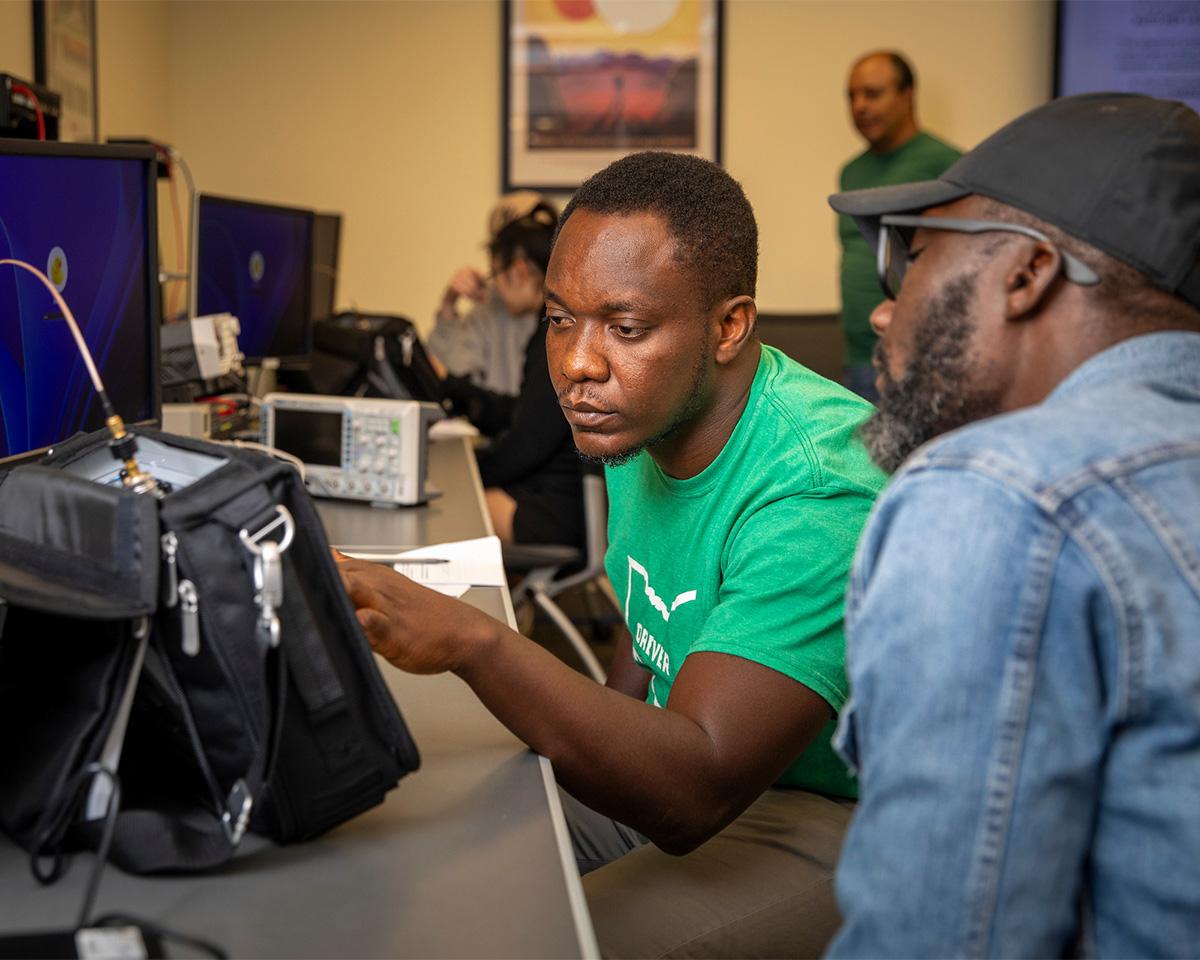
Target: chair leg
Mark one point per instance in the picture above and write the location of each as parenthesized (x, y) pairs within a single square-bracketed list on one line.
[(574, 637)]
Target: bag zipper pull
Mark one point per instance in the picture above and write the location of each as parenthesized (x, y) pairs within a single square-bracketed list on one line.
[(189, 617), (170, 589), (406, 347)]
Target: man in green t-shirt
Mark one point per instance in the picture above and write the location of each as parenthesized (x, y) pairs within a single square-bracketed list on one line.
[(880, 91), (704, 803)]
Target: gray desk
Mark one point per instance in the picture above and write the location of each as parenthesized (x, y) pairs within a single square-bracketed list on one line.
[(468, 857), (455, 515)]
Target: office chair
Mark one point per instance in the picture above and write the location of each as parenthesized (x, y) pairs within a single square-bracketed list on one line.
[(543, 566)]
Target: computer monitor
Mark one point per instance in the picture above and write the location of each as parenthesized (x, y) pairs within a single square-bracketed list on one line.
[(84, 215), (1129, 46), (327, 235), (254, 260)]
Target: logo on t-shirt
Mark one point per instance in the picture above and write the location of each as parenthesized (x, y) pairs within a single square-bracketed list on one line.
[(647, 650), (655, 600)]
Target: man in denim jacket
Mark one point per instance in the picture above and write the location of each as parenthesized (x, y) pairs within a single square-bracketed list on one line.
[(1024, 613)]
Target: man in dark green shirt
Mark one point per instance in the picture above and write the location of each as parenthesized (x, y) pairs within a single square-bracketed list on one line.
[(880, 92)]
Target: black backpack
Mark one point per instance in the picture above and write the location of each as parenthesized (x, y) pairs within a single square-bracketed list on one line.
[(367, 355), (204, 638)]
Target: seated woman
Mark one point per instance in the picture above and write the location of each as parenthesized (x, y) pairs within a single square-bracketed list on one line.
[(531, 472), (485, 341)]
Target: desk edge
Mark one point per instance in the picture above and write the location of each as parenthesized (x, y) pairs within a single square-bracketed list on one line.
[(588, 948)]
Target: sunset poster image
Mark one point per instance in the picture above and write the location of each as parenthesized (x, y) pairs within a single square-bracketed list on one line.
[(591, 80)]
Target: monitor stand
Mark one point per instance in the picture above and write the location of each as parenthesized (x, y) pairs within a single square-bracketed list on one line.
[(261, 377)]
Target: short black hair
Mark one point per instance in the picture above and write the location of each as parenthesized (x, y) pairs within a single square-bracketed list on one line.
[(529, 238), (904, 72), (705, 210)]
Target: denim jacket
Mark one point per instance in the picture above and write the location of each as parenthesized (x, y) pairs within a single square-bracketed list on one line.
[(1023, 643)]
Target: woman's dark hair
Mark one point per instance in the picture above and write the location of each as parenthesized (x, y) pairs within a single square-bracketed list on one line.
[(528, 238)]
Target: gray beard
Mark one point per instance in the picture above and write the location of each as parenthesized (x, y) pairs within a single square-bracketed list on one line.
[(934, 394)]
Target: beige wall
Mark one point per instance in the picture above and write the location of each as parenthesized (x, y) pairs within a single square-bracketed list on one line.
[(16, 38), (388, 112), (979, 63), (132, 43)]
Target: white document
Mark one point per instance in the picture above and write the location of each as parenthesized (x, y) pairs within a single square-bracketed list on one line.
[(462, 563), (452, 427)]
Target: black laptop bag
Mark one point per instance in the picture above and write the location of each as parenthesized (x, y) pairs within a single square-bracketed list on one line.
[(204, 635)]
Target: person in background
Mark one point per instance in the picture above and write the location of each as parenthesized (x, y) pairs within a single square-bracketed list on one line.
[(1024, 614), (881, 93), (705, 803), (486, 341), (532, 475)]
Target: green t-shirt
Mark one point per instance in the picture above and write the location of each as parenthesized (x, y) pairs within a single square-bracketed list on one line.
[(922, 158), (751, 557)]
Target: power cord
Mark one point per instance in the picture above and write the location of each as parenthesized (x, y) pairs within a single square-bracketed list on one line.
[(271, 451)]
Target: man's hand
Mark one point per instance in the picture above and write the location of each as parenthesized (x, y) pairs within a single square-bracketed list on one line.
[(416, 629), (466, 282)]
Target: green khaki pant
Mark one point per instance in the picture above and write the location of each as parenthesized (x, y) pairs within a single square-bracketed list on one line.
[(763, 887)]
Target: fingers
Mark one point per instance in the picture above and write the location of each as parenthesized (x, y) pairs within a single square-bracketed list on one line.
[(374, 625), (362, 594), (470, 283), (439, 368)]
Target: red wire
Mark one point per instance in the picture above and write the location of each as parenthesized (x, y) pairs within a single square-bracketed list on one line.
[(225, 407), (37, 107)]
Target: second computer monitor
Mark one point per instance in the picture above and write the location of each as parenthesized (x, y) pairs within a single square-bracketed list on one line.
[(327, 234), (254, 260)]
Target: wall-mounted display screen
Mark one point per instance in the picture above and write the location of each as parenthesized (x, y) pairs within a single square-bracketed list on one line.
[(1130, 46)]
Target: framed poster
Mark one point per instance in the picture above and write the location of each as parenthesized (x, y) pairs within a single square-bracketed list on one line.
[(588, 81), (64, 59)]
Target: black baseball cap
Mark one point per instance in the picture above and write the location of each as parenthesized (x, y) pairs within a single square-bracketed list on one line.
[(1117, 170)]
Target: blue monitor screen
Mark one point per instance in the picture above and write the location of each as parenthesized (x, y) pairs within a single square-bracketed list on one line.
[(253, 262), (87, 223), (1130, 46)]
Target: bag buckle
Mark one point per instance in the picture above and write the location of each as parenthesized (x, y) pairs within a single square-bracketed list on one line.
[(268, 571), (236, 816)]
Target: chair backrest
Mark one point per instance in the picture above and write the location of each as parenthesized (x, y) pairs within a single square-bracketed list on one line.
[(595, 525), (595, 521)]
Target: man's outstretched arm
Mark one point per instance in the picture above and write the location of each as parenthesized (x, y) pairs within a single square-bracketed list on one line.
[(677, 775)]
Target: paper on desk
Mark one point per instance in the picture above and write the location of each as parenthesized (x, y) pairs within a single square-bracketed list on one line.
[(455, 590), (469, 563), (452, 427)]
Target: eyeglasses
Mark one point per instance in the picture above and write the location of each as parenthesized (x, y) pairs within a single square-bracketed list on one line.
[(896, 232)]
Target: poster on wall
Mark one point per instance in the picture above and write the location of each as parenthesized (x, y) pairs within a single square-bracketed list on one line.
[(64, 57), (588, 81)]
